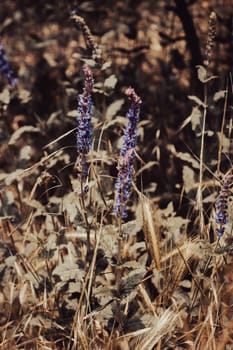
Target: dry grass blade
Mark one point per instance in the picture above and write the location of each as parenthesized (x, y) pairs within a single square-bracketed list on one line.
[(82, 337), (151, 231), (160, 327)]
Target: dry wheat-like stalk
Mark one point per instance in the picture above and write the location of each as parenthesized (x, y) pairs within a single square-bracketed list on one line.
[(151, 231), (160, 327)]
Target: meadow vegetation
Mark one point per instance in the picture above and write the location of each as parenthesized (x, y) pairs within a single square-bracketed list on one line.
[(115, 176)]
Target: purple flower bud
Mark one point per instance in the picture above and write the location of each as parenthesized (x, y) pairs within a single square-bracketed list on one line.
[(127, 155), (5, 67)]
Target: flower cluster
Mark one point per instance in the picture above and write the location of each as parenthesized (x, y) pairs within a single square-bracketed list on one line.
[(5, 67), (127, 155), (221, 205), (84, 128)]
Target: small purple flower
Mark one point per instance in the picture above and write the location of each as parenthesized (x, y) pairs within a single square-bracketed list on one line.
[(84, 128), (221, 205), (5, 67), (127, 155)]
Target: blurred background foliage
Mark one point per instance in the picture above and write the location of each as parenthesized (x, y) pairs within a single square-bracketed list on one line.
[(154, 46)]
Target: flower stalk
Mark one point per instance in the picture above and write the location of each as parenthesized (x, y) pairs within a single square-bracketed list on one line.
[(84, 128), (127, 155)]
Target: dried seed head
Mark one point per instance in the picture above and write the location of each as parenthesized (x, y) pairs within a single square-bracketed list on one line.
[(211, 38), (90, 42)]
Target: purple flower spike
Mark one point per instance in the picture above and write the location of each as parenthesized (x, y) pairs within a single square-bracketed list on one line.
[(221, 205), (84, 128), (127, 155), (5, 67)]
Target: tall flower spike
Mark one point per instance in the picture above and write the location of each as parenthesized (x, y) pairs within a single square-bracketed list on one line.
[(221, 205), (5, 67), (84, 128), (127, 155)]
